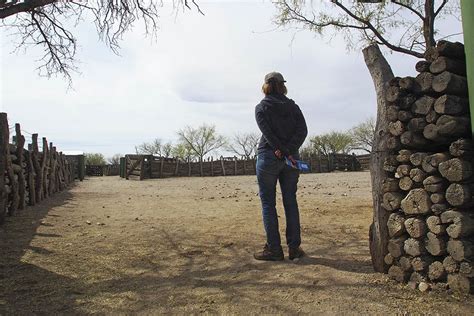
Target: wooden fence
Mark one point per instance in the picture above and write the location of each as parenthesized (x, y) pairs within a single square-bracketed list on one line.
[(364, 161), (140, 167), (102, 170), (29, 176)]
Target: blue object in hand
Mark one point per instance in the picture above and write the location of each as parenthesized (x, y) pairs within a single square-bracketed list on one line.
[(300, 165)]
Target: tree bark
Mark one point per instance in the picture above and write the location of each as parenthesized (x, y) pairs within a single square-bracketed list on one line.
[(4, 136), (381, 73)]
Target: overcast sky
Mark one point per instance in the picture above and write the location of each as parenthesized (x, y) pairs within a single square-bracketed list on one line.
[(202, 69)]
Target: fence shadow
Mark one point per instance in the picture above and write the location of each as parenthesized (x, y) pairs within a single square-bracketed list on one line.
[(16, 236)]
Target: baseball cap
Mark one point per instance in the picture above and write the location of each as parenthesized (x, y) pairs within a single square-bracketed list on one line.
[(274, 76)]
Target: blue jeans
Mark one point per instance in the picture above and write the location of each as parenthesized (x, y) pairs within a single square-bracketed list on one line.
[(269, 170)]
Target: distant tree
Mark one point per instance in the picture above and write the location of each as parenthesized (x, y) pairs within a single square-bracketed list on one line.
[(244, 144), (183, 151), (95, 159), (49, 25), (167, 149), (201, 140), (155, 147), (114, 160), (331, 143), (363, 135)]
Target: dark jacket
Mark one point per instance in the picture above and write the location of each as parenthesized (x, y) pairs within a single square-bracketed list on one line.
[(282, 124)]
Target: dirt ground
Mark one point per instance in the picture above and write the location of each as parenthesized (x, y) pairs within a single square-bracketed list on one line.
[(111, 246)]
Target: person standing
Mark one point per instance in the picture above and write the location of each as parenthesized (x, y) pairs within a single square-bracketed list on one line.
[(283, 130)]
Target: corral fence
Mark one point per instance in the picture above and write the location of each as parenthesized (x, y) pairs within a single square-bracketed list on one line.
[(140, 167), (28, 176), (364, 161), (102, 170)]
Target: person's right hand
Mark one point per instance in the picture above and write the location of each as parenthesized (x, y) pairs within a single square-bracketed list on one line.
[(293, 161), (278, 154)]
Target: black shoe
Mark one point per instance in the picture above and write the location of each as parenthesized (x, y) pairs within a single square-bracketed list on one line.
[(269, 255), (295, 253)]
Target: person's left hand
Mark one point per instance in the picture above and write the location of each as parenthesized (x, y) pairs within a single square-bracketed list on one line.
[(278, 154)]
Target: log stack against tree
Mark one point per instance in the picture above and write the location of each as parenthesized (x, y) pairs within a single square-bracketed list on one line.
[(431, 225), (29, 176)]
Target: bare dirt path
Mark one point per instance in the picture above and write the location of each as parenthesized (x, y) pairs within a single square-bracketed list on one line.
[(185, 245)]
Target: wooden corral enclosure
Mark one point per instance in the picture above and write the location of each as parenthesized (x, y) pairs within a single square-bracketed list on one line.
[(29, 176), (142, 167)]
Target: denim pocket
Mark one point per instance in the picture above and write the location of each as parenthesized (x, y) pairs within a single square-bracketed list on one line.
[(268, 162)]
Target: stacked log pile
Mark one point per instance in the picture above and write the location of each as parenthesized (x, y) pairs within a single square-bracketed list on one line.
[(29, 176), (430, 185)]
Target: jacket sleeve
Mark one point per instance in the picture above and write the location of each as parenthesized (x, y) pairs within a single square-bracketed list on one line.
[(267, 132), (301, 131)]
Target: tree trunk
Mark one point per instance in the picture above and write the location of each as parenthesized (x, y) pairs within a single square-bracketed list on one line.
[(381, 74)]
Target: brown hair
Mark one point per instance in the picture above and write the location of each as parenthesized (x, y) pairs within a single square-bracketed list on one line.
[(274, 87)]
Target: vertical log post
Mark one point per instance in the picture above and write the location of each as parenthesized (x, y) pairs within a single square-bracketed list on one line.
[(378, 234), (31, 178), (15, 197), (176, 170), (223, 166), (212, 166), (189, 166), (21, 175), (162, 163), (142, 167), (39, 172), (44, 168), (4, 136), (235, 165), (200, 167)]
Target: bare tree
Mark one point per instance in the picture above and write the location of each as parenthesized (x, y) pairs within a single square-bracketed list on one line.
[(369, 25), (363, 135), (114, 160), (244, 144), (155, 147), (201, 140), (48, 24), (167, 149)]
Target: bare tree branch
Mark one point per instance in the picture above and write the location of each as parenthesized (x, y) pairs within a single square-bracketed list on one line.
[(377, 33), (13, 7), (441, 6), (406, 6), (45, 23)]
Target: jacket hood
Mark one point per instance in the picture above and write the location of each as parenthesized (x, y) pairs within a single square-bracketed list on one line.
[(276, 99), (278, 104)]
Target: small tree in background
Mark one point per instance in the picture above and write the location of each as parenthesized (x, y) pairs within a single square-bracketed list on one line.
[(331, 143), (183, 151), (96, 159), (363, 135), (201, 140), (244, 144), (114, 160)]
